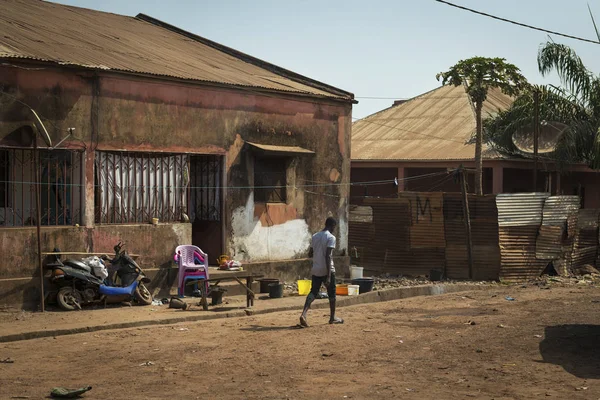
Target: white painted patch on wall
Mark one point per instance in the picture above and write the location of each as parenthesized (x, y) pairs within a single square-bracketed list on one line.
[(342, 240), (251, 241)]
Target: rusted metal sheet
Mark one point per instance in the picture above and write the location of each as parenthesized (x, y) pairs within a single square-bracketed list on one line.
[(426, 219), (433, 126), (519, 219), (549, 242), (65, 35), (586, 246), (484, 227), (554, 239), (517, 249), (418, 232), (407, 236)]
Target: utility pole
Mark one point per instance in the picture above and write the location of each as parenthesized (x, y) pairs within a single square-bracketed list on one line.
[(467, 219), (536, 135), (38, 218)]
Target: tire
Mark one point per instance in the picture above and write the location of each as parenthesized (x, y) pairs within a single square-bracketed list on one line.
[(143, 295), (69, 299)]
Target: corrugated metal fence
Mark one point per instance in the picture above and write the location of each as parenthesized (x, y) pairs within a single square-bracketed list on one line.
[(418, 232), (515, 236)]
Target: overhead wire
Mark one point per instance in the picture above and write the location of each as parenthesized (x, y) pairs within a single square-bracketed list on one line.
[(324, 184), (517, 23)]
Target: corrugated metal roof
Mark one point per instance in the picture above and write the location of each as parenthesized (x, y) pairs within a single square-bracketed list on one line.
[(65, 35), (281, 149), (434, 126)]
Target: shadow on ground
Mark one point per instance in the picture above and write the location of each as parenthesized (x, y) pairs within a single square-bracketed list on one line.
[(573, 347), (258, 328)]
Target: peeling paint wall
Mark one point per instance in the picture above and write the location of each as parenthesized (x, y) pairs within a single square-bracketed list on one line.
[(129, 113), (253, 241)]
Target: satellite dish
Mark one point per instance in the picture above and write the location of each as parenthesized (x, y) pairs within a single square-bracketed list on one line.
[(550, 133), (41, 128)]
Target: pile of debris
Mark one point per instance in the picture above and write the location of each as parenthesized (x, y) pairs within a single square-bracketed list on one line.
[(389, 282), (586, 275)]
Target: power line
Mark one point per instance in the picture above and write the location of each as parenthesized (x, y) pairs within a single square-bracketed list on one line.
[(518, 23)]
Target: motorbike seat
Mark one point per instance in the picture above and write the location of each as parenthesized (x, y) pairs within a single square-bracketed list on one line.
[(78, 265)]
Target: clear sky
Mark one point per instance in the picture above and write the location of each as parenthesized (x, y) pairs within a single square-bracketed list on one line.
[(375, 48)]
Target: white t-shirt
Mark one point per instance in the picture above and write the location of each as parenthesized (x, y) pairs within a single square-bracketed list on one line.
[(321, 241)]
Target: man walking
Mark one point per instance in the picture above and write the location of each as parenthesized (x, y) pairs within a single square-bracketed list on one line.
[(323, 271)]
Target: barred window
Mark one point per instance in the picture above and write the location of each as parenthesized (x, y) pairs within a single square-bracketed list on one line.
[(61, 187), (136, 187)]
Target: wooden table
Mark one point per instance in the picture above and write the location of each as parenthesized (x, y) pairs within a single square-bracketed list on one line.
[(217, 276)]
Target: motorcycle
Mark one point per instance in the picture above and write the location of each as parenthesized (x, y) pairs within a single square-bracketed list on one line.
[(82, 283)]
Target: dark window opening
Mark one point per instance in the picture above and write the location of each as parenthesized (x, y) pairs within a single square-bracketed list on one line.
[(270, 179)]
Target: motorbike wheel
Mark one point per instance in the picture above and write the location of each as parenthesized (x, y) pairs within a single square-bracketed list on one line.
[(143, 295), (69, 299)]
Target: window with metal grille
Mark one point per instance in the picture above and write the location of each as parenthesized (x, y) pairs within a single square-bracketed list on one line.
[(205, 188), (61, 187), (270, 179), (137, 187)]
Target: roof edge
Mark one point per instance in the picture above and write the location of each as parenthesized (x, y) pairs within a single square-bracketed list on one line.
[(249, 59)]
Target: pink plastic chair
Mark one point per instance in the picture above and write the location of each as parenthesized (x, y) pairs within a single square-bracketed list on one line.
[(188, 270)]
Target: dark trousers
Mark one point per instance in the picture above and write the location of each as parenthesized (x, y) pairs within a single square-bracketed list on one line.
[(317, 281)]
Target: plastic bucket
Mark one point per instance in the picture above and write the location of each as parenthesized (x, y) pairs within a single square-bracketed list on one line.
[(217, 296), (365, 284), (304, 287), (353, 290), (264, 284), (341, 290), (276, 290), (356, 272)]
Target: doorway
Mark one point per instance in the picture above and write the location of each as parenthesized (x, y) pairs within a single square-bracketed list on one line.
[(205, 204)]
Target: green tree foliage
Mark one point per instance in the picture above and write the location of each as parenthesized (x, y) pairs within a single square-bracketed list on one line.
[(478, 75), (576, 104)]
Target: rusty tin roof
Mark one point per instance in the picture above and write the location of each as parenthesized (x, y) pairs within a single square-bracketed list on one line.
[(73, 36), (433, 126)]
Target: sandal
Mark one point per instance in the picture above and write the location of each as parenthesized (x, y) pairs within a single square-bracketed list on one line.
[(336, 321), (303, 322)]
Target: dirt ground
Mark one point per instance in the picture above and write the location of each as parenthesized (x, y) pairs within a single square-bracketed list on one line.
[(544, 344)]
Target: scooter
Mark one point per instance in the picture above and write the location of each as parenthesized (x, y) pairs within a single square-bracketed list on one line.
[(78, 285)]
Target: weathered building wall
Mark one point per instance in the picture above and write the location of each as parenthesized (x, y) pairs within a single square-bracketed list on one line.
[(19, 271), (117, 112)]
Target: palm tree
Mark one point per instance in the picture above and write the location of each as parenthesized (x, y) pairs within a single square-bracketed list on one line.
[(478, 75), (576, 104)]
